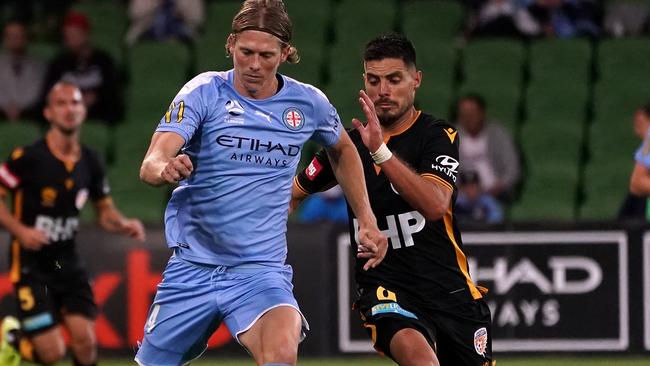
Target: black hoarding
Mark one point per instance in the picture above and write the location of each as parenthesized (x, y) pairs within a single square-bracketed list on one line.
[(549, 291)]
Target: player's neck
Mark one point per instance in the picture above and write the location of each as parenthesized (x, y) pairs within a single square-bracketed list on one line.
[(405, 120), (63, 147), (267, 90)]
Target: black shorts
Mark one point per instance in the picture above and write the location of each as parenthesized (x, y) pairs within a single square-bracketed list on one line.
[(460, 335), (44, 297)]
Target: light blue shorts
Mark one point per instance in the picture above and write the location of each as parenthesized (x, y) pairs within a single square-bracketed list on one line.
[(193, 299)]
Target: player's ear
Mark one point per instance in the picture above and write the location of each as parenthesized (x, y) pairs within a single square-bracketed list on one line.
[(417, 78), (230, 43), (284, 52), (47, 113)]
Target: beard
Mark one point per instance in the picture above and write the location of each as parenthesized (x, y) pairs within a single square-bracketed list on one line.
[(389, 118), (67, 131)]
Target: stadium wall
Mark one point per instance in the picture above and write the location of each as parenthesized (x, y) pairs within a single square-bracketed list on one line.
[(551, 289)]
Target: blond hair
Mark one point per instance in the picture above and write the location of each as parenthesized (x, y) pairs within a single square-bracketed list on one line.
[(268, 16)]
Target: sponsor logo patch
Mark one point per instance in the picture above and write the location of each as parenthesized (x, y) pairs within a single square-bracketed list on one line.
[(391, 308), (446, 165), (313, 169), (480, 341)]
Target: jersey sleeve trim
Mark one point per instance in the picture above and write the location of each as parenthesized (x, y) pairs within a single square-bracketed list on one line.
[(179, 131), (7, 178), (461, 259), (436, 179), (297, 184)]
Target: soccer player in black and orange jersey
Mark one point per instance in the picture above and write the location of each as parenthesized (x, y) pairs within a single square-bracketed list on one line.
[(419, 305), (50, 181)]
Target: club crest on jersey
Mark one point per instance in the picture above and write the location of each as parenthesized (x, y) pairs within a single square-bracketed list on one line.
[(480, 341), (48, 196), (293, 118)]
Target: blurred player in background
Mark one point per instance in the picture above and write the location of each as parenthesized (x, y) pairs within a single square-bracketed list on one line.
[(420, 305), (232, 141), (636, 202), (51, 180)]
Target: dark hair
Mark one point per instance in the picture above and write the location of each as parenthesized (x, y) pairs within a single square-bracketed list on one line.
[(268, 16), (474, 97), (645, 109), (390, 45)]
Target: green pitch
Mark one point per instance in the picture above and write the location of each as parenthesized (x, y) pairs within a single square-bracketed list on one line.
[(376, 361)]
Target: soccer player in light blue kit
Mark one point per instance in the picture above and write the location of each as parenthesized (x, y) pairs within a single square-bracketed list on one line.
[(232, 141)]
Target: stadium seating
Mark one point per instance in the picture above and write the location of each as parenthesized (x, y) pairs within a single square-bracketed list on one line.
[(14, 134), (358, 21), (555, 61), (99, 137), (210, 47), (551, 140), (611, 147), (494, 69), (437, 60), (109, 21), (426, 20), (624, 59)]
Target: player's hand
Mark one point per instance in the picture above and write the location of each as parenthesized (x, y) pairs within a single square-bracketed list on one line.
[(31, 238), (372, 245), (133, 228), (371, 133), (177, 169)]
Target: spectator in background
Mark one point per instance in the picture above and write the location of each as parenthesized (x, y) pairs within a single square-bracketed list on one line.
[(487, 149), (92, 69), (43, 16), (21, 75), (636, 203), (497, 18), (473, 204), (566, 18), (165, 19), (325, 206), (625, 18)]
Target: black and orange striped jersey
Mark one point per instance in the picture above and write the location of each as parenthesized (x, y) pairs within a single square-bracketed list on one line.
[(425, 258), (49, 193)]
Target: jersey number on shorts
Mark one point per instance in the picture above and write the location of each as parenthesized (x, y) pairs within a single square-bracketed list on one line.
[(179, 115), (26, 298)]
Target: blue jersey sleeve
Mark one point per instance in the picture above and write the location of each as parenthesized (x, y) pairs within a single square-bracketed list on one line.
[(187, 110), (642, 155), (328, 130)]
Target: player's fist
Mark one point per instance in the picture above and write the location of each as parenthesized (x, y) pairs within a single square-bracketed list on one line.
[(372, 245), (177, 169), (134, 229), (31, 238)]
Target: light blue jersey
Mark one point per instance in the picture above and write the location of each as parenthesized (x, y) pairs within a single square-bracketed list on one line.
[(642, 155), (232, 210)]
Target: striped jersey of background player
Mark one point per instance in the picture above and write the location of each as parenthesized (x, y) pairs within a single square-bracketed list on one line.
[(51, 180), (420, 305)]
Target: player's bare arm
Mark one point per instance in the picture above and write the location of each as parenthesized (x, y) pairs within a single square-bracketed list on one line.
[(162, 164), (348, 170), (429, 198), (640, 180), (29, 237), (297, 196), (112, 220)]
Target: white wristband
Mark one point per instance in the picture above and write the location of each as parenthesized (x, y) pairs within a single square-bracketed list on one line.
[(381, 155)]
